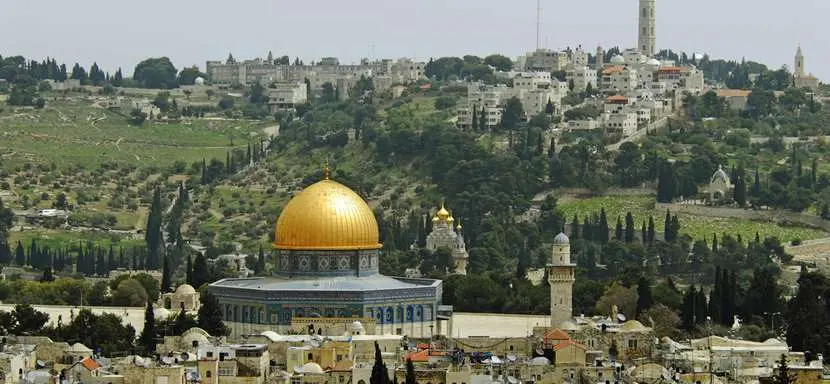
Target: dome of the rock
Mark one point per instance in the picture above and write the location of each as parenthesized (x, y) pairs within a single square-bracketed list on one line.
[(327, 216)]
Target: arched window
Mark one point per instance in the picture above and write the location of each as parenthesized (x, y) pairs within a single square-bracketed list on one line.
[(207, 374), (195, 343), (361, 382)]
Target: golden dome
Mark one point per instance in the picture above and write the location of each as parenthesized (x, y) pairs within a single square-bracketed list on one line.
[(327, 216), (442, 214)]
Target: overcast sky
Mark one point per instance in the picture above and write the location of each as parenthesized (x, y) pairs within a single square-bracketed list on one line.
[(120, 33)]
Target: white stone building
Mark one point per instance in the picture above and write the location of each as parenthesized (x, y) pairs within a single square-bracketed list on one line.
[(544, 60), (443, 235), (618, 79), (581, 76), (286, 96), (802, 79)]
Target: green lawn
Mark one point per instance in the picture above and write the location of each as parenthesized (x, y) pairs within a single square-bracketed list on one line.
[(696, 226), (77, 133)]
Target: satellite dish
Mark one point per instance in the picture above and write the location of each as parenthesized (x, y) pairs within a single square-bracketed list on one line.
[(620, 317), (185, 356), (41, 363)]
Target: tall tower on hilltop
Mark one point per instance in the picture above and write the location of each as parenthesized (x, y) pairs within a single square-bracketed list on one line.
[(561, 279), (647, 41), (798, 70)]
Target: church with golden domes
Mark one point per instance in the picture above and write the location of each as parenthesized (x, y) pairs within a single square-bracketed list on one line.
[(326, 267), (444, 235)]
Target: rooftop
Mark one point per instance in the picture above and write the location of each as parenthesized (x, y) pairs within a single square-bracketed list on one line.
[(346, 283), (733, 93)]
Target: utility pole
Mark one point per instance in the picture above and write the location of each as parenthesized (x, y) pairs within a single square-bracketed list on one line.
[(538, 22)]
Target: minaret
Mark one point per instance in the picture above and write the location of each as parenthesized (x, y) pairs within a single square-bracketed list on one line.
[(798, 70), (600, 57), (648, 38), (561, 279)]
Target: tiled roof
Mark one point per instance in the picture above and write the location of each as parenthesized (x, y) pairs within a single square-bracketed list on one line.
[(568, 343), (670, 69), (614, 69), (617, 98), (90, 364), (557, 334)]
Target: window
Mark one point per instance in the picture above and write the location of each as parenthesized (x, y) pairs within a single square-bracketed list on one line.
[(195, 343), (341, 379), (310, 356), (632, 344), (226, 371), (208, 374)]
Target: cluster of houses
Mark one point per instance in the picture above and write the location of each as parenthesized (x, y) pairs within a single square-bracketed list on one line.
[(597, 349)]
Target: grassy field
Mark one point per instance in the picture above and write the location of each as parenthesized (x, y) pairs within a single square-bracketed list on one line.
[(696, 226), (75, 132)]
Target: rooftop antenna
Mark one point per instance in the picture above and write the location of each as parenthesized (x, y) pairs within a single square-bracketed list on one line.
[(538, 21)]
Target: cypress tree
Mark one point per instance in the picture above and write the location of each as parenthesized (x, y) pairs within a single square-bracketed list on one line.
[(19, 254), (209, 316), (165, 275), (148, 334), (475, 119), (700, 307), (379, 373), (667, 235), (189, 271), (603, 231), (644, 299), (629, 227), (740, 192), (716, 297), (618, 230), (756, 186), (410, 372), (199, 275), (725, 306), (152, 235), (575, 228), (651, 231), (482, 120), (714, 242), (643, 233)]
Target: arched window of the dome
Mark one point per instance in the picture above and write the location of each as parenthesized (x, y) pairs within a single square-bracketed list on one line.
[(390, 315), (409, 312)]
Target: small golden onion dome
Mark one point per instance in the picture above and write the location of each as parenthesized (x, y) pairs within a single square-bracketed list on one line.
[(327, 215), (458, 227), (443, 214), (435, 219)]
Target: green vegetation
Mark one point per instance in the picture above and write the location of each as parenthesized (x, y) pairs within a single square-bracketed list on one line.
[(698, 227)]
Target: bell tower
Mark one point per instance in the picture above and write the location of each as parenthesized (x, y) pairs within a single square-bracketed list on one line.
[(647, 41), (561, 280), (799, 63)]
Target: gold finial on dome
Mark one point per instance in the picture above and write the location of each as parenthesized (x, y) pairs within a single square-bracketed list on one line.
[(442, 213), (458, 227), (450, 219), (326, 171)]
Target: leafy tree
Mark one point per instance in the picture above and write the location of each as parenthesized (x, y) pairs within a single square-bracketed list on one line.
[(513, 114), (6, 221), (188, 75), (661, 318), (209, 316), (740, 192), (137, 117), (27, 320), (130, 293), (624, 298), (499, 62), (156, 72), (764, 294), (258, 95)]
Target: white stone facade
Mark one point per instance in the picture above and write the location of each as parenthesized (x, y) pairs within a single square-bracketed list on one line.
[(443, 235), (287, 96), (581, 76), (647, 40)]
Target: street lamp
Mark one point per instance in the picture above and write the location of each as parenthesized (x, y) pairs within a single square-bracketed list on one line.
[(772, 321)]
